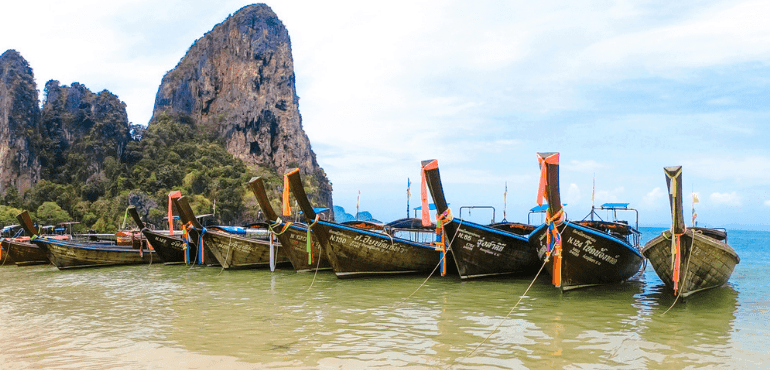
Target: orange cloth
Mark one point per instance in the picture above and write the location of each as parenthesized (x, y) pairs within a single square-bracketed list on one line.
[(424, 193), (286, 200), (552, 159), (172, 195)]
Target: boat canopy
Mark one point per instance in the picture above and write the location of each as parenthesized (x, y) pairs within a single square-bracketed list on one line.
[(431, 207), (232, 229), (409, 223), (543, 208), (366, 225), (614, 206), (9, 228)]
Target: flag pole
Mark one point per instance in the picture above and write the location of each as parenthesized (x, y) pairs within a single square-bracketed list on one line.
[(505, 202), (408, 195)]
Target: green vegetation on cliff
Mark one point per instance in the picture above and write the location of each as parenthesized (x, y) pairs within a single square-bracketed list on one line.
[(171, 155)]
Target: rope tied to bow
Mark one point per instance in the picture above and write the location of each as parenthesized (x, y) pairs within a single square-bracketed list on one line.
[(553, 236), (310, 240), (441, 220)]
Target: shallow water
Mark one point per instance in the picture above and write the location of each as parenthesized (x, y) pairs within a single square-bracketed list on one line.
[(170, 317)]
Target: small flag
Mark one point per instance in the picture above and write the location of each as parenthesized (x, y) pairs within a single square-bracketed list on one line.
[(695, 198), (408, 188), (505, 194), (505, 200)]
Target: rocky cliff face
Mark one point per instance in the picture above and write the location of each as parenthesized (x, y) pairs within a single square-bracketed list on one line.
[(239, 78), (19, 115), (79, 130)]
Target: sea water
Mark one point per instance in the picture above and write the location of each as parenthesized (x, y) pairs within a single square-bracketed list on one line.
[(174, 317)]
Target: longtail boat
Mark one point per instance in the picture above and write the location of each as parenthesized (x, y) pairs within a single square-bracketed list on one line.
[(170, 248), (478, 250), (354, 252), (689, 260), (195, 250), (67, 254), (22, 252), (578, 255), (304, 257), (234, 251)]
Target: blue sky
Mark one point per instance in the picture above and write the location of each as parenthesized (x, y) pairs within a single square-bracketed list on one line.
[(620, 88)]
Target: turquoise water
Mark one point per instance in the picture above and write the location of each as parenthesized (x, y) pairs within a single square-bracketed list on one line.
[(171, 317)]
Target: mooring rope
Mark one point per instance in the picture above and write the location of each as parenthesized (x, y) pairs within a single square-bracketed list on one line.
[(195, 261), (512, 309), (434, 269), (317, 266), (229, 251), (684, 278)]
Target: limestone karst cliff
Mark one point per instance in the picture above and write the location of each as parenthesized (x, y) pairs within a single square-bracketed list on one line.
[(79, 130), (239, 79), (19, 116)]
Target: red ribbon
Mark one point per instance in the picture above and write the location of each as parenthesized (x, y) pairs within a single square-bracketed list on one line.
[(552, 159), (286, 200), (424, 193)]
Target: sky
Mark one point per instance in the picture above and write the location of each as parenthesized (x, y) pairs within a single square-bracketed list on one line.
[(620, 88)]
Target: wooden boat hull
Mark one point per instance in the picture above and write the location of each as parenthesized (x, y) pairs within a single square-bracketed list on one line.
[(480, 251), (24, 253), (353, 253), (5, 258), (589, 257), (169, 248), (236, 252), (294, 244), (705, 263), (69, 255)]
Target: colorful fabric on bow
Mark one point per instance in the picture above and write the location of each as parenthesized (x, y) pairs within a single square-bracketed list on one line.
[(286, 192), (186, 240), (424, 193), (442, 220), (200, 246), (553, 237), (552, 159), (677, 260)]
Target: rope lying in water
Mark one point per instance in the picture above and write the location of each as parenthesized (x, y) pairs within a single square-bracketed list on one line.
[(509, 312), (317, 266), (434, 269)]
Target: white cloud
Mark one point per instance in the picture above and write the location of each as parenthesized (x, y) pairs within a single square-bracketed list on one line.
[(753, 168), (690, 41), (654, 197), (730, 199), (573, 195), (767, 203), (611, 196), (587, 166)]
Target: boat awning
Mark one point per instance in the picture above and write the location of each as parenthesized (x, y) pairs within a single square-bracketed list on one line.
[(7, 228), (409, 223), (543, 208), (317, 210), (615, 206), (366, 225), (431, 207), (231, 229)]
